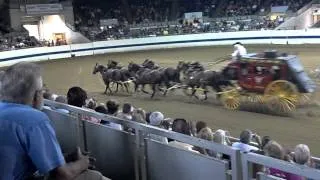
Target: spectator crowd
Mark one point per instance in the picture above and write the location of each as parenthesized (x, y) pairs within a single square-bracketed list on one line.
[(248, 141)]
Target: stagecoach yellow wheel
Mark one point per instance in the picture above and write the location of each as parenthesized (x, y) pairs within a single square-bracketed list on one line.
[(281, 96), (230, 99)]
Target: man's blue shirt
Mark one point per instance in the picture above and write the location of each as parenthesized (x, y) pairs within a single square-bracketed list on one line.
[(27, 142)]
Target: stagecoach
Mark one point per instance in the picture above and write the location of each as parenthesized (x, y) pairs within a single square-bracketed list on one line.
[(277, 80)]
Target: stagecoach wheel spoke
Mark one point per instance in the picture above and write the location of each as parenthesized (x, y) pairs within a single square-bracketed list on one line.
[(231, 99), (281, 96)]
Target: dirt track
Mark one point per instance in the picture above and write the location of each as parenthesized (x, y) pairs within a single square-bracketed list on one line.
[(302, 126)]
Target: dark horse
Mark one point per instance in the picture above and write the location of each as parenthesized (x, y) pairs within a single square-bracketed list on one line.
[(113, 65), (196, 78), (144, 76), (112, 75), (150, 64)]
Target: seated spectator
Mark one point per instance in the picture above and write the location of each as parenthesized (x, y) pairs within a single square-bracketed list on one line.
[(220, 137), (101, 109), (200, 125), (155, 120), (113, 107), (91, 103), (204, 133), (245, 138), (126, 112), (275, 150), (27, 140), (181, 126), (139, 115), (63, 100), (77, 97), (302, 154), (166, 124)]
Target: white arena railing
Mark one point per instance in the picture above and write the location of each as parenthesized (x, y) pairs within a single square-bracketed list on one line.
[(123, 155), (310, 36)]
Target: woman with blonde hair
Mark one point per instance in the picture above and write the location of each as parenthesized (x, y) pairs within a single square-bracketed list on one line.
[(220, 137), (206, 134)]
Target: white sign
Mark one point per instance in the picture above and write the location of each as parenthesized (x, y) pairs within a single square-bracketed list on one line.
[(108, 22), (193, 15), (35, 9)]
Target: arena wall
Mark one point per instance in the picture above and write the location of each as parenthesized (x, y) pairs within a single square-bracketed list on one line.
[(310, 36)]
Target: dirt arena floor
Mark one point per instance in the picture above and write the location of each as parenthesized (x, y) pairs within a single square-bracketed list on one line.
[(302, 126)]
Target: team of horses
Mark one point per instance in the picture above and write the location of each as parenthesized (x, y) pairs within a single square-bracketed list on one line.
[(187, 75)]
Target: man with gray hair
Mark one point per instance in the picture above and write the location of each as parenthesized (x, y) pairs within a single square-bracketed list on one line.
[(27, 140)]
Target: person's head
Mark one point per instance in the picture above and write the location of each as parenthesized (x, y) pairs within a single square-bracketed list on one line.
[(166, 123), (101, 109), (181, 126), (139, 115), (200, 125), (127, 108), (274, 150), (302, 154), (156, 118), (112, 106), (22, 84), (48, 95), (76, 96), (205, 133), (245, 136), (62, 99), (220, 137), (264, 141), (91, 103)]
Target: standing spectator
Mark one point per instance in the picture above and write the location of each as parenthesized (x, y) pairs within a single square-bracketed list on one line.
[(28, 143), (245, 138)]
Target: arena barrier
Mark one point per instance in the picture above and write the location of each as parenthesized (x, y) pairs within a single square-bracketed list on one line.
[(123, 155), (310, 36)]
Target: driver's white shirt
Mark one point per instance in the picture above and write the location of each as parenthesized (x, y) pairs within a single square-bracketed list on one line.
[(239, 51)]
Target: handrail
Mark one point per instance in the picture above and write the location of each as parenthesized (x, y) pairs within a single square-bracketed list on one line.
[(281, 165), (146, 128), (227, 150)]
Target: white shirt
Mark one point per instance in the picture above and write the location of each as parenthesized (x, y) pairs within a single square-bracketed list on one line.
[(239, 50), (244, 147)]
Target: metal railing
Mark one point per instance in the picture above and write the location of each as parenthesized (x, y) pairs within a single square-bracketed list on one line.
[(240, 164)]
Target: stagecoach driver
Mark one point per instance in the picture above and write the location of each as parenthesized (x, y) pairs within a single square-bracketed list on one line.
[(239, 50), (28, 142)]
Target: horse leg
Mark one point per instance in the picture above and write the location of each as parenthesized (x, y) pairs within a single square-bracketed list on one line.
[(106, 90), (153, 90), (194, 90), (126, 86), (144, 91)]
